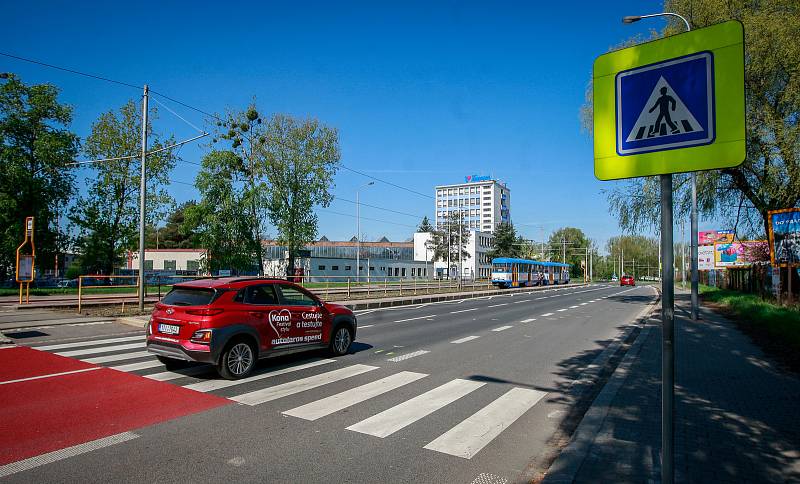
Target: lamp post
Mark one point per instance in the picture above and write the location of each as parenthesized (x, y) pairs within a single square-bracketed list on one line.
[(358, 231)]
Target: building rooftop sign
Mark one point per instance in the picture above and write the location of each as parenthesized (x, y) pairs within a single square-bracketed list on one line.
[(477, 178)]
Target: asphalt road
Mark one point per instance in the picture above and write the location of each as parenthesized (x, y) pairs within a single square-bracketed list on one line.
[(459, 391)]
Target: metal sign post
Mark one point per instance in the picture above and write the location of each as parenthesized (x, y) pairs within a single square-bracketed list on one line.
[(668, 333), (25, 262)]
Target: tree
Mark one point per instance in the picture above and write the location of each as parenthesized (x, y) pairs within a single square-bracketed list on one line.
[(568, 244), (640, 254), (108, 214), (425, 225), (302, 157), (770, 176), (216, 218), (176, 233), (446, 240), (35, 178), (505, 242)]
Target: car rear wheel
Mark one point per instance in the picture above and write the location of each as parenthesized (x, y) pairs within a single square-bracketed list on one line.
[(237, 361), (341, 341)]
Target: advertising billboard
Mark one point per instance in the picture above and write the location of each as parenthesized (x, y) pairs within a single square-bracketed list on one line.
[(705, 258), (784, 236), (740, 254), (711, 237)]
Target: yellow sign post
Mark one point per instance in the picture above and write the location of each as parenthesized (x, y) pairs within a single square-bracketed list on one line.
[(25, 262)]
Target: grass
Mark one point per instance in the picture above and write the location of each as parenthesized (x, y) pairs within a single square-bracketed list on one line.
[(773, 326)]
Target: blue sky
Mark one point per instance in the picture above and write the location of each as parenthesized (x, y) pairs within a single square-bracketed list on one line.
[(422, 93)]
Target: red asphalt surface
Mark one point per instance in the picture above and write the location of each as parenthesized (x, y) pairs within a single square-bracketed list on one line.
[(47, 414)]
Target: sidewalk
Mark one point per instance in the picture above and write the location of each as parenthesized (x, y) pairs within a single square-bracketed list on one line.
[(736, 417)]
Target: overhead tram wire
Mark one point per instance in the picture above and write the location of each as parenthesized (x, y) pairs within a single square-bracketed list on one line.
[(379, 208), (385, 182), (363, 218)]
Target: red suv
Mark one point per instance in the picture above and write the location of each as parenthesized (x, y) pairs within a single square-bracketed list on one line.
[(233, 322), (627, 281)]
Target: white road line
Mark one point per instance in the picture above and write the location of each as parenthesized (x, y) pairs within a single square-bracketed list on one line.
[(57, 455), (546, 315), (96, 342), (474, 433), (123, 356), (559, 310), (497, 305), (502, 328), (522, 301), (209, 385), (390, 421), (463, 311), (82, 370), (284, 390), (184, 372), (362, 326), (573, 307), (464, 340), (529, 320), (348, 398), (408, 356), (105, 349), (414, 319), (584, 304), (142, 365)]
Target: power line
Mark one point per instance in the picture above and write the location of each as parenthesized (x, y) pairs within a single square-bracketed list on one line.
[(73, 71), (364, 218), (379, 208), (386, 182)]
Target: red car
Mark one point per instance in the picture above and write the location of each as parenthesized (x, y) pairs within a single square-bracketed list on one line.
[(627, 281), (233, 322)]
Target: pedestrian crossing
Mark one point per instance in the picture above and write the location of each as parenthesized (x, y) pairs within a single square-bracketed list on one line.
[(372, 389)]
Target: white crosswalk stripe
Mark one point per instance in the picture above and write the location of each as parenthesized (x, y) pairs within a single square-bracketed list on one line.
[(182, 373), (340, 401), (473, 434), (464, 339), (390, 421), (96, 342), (279, 391), (142, 365), (101, 350), (120, 357), (210, 385)]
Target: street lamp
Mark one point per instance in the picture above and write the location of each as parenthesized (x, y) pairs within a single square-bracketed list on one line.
[(358, 233), (693, 236)]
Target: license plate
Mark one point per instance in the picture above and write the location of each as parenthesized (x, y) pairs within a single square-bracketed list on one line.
[(169, 328)]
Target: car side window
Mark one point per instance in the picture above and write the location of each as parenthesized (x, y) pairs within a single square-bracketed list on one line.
[(295, 297), (263, 295)]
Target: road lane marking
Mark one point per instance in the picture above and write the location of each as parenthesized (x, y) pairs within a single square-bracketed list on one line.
[(414, 319), (348, 398), (463, 311), (123, 356), (61, 454), (142, 365), (497, 305), (182, 373), (464, 340), (207, 386), (584, 304), (105, 349), (95, 342), (408, 356), (546, 315), (502, 328), (561, 310), (573, 307), (474, 433), (529, 320), (362, 326), (284, 390), (404, 414), (82, 370)]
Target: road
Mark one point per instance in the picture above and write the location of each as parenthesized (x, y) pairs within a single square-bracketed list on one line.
[(463, 391)]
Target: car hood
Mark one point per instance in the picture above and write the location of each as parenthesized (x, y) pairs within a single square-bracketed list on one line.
[(338, 309)]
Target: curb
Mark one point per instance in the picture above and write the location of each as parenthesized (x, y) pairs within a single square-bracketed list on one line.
[(564, 469)]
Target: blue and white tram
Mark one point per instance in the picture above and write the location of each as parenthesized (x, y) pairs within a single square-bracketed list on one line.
[(512, 272)]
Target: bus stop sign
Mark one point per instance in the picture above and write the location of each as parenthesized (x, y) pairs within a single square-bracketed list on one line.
[(672, 105)]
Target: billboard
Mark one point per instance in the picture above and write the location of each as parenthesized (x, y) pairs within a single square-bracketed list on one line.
[(711, 237), (784, 236), (740, 254), (705, 258)]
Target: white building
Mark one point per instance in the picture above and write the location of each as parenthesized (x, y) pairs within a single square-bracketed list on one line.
[(484, 202), (476, 266), (168, 260)]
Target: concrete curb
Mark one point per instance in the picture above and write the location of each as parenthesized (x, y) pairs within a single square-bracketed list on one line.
[(566, 466)]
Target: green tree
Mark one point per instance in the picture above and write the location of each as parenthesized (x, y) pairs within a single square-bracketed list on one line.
[(425, 225), (175, 234), (770, 176), (445, 239), (108, 214), (35, 178), (302, 157), (216, 218), (568, 244), (505, 242), (640, 254)]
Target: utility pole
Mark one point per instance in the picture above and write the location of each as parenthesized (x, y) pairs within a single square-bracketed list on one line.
[(622, 261), (564, 250), (142, 195), (683, 255), (693, 237), (460, 255)]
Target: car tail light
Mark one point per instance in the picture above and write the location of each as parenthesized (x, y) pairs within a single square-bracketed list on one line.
[(202, 336), (204, 311)]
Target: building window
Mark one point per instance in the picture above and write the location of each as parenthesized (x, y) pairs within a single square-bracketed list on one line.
[(412, 272), (321, 268), (334, 268), (371, 269), (347, 268), (148, 265), (404, 272), (192, 265)]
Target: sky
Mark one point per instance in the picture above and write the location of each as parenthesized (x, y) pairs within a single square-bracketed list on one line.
[(422, 93)]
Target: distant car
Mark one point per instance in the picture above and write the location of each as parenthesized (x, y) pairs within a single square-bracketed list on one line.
[(627, 281), (614, 279), (68, 283)]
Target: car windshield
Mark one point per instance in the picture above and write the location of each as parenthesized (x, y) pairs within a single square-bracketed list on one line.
[(184, 296)]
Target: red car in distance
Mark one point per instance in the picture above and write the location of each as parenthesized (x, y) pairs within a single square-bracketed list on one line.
[(627, 280), (233, 322)]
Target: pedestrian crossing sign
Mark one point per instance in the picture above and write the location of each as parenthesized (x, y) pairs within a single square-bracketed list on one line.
[(672, 105)]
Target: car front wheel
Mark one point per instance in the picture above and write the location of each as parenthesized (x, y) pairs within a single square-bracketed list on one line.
[(237, 361), (342, 339)]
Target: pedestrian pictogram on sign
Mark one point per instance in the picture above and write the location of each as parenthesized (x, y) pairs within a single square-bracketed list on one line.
[(666, 105)]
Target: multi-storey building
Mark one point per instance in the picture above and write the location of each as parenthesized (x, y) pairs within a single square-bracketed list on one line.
[(483, 202)]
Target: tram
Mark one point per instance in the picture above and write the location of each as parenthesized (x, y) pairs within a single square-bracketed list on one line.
[(511, 272)]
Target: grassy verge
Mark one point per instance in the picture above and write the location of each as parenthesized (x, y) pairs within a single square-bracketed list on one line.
[(775, 328)]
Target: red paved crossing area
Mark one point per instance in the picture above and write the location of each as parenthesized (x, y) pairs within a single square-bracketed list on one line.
[(51, 402)]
